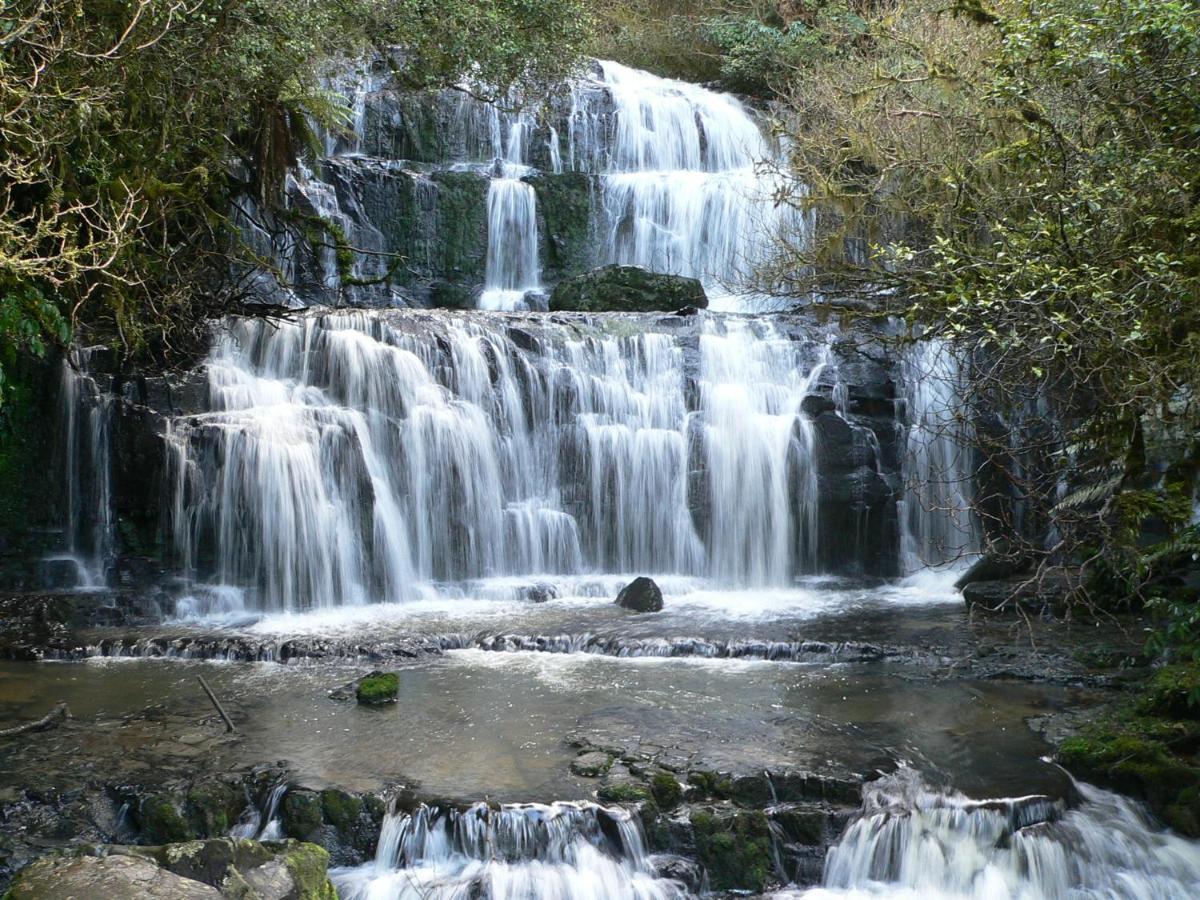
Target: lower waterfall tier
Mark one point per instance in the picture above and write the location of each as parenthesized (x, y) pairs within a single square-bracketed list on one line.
[(345, 458)]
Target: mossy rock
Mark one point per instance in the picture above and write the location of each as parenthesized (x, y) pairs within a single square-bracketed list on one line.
[(212, 807), (711, 784), (627, 289), (301, 814), (1173, 693), (309, 865), (160, 821), (623, 792), (1140, 765), (734, 847), (378, 688), (342, 810), (666, 789)]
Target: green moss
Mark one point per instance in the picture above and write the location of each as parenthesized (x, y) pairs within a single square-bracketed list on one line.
[(212, 806), (301, 814), (735, 849), (564, 202), (462, 224), (378, 688), (309, 866), (623, 792), (342, 810), (712, 784), (666, 790), (1173, 692), (161, 822)]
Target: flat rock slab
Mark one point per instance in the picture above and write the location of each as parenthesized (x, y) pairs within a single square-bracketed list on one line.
[(92, 877)]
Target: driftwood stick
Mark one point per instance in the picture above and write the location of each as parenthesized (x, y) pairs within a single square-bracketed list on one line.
[(47, 721), (216, 703)]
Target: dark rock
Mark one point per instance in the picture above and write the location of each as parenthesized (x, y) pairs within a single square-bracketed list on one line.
[(627, 289), (1032, 592), (641, 595), (993, 566), (300, 814)]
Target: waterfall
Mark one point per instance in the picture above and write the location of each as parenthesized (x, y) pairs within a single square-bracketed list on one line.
[(349, 457), (560, 851), (86, 416), (686, 186), (910, 838), (512, 250), (936, 520)]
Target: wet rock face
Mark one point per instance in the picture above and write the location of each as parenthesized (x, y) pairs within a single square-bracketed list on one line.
[(641, 595), (627, 289)]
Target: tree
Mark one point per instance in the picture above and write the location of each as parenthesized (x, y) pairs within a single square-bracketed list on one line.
[(1022, 181), (125, 126)]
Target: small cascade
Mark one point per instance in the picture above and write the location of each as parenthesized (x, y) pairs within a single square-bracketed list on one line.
[(910, 838), (512, 251), (90, 531), (937, 525), (560, 851), (263, 824), (685, 181), (348, 457)]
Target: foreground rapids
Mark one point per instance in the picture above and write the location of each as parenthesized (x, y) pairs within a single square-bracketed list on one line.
[(529, 851), (911, 841)]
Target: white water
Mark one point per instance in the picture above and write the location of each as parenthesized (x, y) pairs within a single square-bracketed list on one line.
[(348, 460), (686, 182), (512, 252), (915, 842), (936, 521), (90, 530), (562, 851)]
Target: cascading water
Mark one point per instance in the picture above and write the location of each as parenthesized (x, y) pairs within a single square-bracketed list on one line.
[(936, 521), (512, 252), (685, 181), (349, 457), (561, 851), (912, 841), (90, 529)]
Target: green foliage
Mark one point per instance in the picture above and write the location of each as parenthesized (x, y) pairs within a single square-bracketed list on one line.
[(1020, 180), (126, 128)]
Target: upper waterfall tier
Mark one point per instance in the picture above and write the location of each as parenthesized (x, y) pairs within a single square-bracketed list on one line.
[(348, 457), (442, 199)]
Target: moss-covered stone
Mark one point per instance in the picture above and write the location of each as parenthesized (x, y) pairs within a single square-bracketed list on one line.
[(623, 792), (1132, 758), (342, 810), (1173, 692), (378, 688), (309, 865), (212, 806), (461, 251), (301, 814), (666, 789), (564, 204), (734, 847), (161, 822), (627, 289), (711, 784)]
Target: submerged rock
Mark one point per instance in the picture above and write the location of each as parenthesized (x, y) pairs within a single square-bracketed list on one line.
[(641, 595), (591, 765), (627, 289)]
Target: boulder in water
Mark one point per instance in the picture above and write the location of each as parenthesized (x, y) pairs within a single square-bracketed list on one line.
[(378, 688), (627, 289), (641, 595)]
